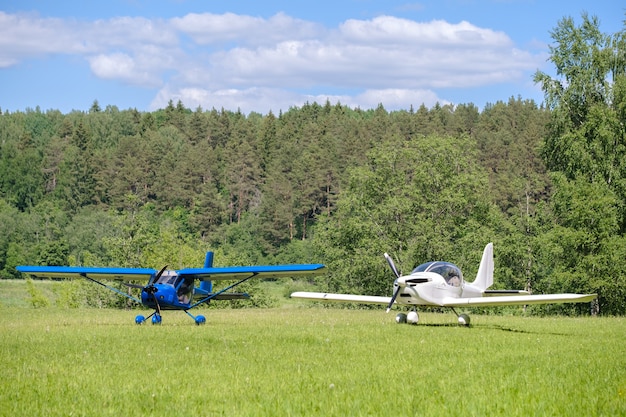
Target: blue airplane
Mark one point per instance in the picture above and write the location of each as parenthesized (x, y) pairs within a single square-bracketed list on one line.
[(175, 290)]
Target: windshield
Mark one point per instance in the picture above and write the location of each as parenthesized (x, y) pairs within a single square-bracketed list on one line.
[(450, 272), (168, 277), (183, 285)]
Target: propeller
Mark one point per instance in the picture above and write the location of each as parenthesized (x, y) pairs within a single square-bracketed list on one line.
[(397, 274), (156, 277), (150, 288), (392, 265), (150, 282)]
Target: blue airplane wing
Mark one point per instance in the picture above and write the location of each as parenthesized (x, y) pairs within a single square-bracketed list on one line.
[(261, 271), (124, 274)]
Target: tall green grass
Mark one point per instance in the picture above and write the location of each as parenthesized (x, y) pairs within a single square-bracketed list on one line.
[(307, 361)]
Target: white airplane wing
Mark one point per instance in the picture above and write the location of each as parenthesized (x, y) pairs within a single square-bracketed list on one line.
[(502, 300), (517, 300), (347, 298)]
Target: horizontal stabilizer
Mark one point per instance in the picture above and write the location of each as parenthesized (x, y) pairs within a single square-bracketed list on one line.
[(347, 298), (231, 296)]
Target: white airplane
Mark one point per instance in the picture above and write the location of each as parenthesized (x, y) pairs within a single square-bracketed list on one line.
[(441, 284)]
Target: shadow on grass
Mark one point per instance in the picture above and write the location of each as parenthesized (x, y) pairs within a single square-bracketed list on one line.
[(512, 330), (491, 327)]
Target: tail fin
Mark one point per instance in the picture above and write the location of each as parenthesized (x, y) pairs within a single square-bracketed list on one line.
[(484, 277), (207, 285)]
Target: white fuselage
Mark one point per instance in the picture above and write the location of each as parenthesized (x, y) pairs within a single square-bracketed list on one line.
[(427, 288)]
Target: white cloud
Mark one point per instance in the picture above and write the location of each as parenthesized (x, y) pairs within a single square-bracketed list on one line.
[(24, 36), (120, 66), (252, 63), (217, 29), (258, 99), (400, 98), (382, 53), (112, 66), (397, 31), (263, 100)]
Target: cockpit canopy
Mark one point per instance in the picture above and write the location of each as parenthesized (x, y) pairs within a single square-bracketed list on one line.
[(183, 286), (450, 272), (168, 277)]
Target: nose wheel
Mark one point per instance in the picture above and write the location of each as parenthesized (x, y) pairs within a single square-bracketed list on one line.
[(155, 318), (412, 318), (464, 320)]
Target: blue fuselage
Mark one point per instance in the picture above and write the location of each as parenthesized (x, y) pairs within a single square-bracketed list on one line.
[(167, 297)]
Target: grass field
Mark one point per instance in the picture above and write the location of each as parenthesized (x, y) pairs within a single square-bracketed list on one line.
[(299, 360)]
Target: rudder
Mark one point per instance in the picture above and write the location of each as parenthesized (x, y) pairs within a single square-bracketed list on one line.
[(484, 277)]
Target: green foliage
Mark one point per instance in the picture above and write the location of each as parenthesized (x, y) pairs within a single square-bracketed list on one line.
[(53, 253), (70, 294), (587, 136), (295, 167), (507, 133), (9, 238), (37, 297), (585, 220), (419, 200)]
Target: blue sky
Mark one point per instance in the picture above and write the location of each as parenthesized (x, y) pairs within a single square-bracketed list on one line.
[(274, 54)]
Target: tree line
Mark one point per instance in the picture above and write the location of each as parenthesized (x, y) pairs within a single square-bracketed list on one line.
[(338, 185)]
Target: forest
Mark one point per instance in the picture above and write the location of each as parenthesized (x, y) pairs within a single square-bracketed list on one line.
[(330, 184)]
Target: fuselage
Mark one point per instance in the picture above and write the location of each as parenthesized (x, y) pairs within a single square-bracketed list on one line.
[(425, 293), (171, 292), (429, 283)]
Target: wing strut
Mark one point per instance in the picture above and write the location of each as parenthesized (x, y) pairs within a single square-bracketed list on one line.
[(211, 296), (111, 288)]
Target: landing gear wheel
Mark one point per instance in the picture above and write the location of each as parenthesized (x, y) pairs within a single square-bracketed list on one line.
[(401, 318), (156, 319), (464, 320), (412, 317), (140, 319), (200, 320)]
